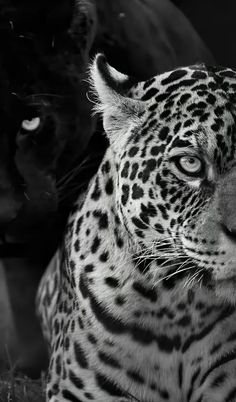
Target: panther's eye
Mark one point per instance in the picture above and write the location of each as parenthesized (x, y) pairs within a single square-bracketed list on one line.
[(31, 124)]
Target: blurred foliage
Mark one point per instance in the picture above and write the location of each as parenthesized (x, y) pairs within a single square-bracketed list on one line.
[(21, 389)]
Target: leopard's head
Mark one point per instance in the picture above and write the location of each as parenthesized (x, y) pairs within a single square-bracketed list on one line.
[(174, 144)]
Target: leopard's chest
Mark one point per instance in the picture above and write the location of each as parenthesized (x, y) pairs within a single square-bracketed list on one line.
[(155, 343), (161, 345)]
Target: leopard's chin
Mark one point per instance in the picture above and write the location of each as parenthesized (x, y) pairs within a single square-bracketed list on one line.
[(225, 289)]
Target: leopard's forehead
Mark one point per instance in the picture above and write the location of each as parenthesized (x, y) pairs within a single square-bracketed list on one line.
[(213, 85), (189, 107), (197, 79)]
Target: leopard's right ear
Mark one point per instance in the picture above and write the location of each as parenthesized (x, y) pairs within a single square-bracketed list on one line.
[(111, 87)]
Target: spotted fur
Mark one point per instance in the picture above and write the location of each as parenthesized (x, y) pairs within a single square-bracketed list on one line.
[(139, 303)]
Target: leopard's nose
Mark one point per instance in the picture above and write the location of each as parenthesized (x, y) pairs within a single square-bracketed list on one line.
[(227, 204), (230, 232)]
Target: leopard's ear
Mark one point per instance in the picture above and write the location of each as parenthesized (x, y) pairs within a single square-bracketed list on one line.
[(118, 109)]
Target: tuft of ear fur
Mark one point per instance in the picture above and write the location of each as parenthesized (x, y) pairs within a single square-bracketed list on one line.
[(110, 88)]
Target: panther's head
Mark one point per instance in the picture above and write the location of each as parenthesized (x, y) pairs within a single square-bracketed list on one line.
[(174, 144), (45, 121)]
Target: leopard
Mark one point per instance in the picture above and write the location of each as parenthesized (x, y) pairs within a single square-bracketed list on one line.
[(139, 301)]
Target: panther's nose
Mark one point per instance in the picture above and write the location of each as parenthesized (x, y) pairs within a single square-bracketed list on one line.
[(9, 207)]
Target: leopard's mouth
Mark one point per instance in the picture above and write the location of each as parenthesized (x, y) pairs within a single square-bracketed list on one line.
[(208, 267), (231, 279)]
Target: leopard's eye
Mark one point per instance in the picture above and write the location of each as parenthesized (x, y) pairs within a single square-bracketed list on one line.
[(31, 124), (191, 164)]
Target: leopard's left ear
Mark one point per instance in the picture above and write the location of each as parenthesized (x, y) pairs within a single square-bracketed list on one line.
[(111, 87)]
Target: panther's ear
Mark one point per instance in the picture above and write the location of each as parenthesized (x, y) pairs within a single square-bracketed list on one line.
[(119, 111)]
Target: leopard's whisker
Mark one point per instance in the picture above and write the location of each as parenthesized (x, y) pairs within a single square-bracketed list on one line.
[(191, 279), (156, 257), (175, 273)]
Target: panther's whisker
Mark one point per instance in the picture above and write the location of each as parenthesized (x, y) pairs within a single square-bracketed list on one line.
[(74, 170), (70, 193), (46, 94)]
